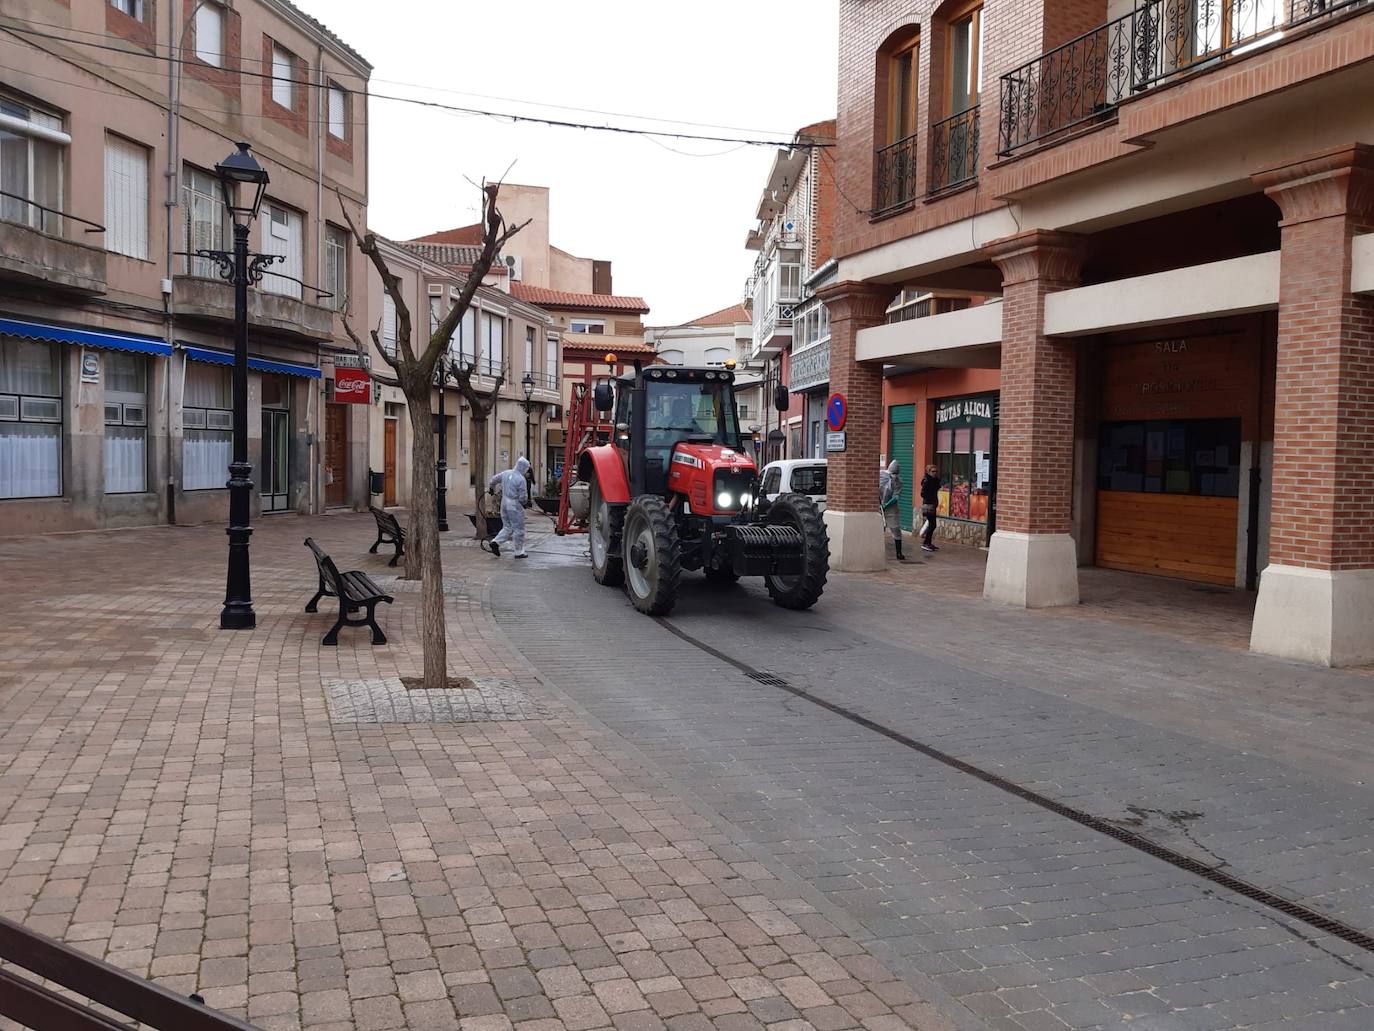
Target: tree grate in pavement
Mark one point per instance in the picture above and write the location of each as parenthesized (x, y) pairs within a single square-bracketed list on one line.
[(390, 701), (1214, 874)]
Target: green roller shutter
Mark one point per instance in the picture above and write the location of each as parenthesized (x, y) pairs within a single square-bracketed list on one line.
[(902, 440)]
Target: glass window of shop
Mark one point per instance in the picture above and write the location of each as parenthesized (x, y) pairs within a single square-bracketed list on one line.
[(1171, 456), (964, 456)]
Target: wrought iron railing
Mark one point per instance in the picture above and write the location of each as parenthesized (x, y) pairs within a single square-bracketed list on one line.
[(954, 150), (1081, 80), (15, 207), (1086, 78), (894, 183)]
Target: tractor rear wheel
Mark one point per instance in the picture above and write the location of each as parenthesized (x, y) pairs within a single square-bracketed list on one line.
[(803, 590), (607, 569), (653, 563)]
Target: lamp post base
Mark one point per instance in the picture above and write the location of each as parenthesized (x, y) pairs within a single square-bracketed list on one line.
[(237, 617)]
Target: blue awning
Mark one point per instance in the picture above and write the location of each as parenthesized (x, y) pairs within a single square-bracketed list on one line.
[(86, 337), (206, 354)]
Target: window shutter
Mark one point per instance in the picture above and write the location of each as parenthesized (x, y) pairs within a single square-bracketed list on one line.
[(126, 197)]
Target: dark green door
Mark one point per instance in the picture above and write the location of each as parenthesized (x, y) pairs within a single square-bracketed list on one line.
[(901, 436)]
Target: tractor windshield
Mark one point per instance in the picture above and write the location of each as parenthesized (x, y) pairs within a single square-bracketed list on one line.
[(677, 411)]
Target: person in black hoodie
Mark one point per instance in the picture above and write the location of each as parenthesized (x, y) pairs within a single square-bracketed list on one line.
[(930, 498)]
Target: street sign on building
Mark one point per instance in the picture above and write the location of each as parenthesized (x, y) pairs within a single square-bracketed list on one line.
[(836, 412), (834, 441)]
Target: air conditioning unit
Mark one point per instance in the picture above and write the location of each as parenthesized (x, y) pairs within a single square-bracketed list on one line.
[(513, 266)]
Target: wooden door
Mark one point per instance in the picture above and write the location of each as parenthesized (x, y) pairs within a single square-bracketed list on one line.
[(335, 454), (389, 462), (1178, 535)]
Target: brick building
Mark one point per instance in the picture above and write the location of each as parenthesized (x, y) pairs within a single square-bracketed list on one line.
[(1160, 214), (115, 336)]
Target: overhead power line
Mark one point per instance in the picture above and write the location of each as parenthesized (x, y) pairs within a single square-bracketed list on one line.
[(442, 106)]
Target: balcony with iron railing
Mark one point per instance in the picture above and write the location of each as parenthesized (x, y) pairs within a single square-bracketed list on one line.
[(43, 246), (954, 151), (1084, 80), (894, 176)]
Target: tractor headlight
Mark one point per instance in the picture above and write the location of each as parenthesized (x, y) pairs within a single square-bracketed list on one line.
[(724, 499)]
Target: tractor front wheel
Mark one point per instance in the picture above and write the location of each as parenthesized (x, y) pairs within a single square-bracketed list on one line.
[(602, 525), (803, 590), (653, 565)]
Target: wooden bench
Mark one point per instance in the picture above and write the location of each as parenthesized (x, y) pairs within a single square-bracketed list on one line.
[(389, 531), (354, 590)]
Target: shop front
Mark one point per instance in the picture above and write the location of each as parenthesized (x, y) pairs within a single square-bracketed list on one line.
[(1180, 479), (965, 457)]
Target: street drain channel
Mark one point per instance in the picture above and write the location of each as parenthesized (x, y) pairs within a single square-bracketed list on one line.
[(1217, 876)]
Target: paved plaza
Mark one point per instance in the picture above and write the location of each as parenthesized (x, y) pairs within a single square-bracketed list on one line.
[(690, 824)]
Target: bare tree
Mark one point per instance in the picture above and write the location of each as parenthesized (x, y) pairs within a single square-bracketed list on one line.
[(480, 404), (415, 374)]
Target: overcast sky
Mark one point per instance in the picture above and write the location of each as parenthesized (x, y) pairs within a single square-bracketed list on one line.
[(674, 225)]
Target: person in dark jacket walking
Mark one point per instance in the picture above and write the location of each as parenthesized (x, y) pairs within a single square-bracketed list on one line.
[(930, 499)]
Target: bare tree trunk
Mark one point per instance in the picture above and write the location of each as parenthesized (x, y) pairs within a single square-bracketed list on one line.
[(479, 470), (424, 537)]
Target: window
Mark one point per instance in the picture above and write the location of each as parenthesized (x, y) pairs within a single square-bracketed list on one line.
[(283, 72), (126, 423), (207, 421), (210, 34), (467, 338), (808, 479), (677, 409), (789, 278), (963, 456), (1222, 26), (32, 145), (964, 70), (529, 352), (204, 219), (493, 343), (336, 243), (126, 197), (30, 419), (551, 361), (338, 112), (1171, 456), (901, 106), (133, 8), (587, 326), (282, 234), (388, 324), (717, 355)]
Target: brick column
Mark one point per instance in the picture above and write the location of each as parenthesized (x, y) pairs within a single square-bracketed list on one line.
[(1032, 560), (851, 517), (1316, 597)]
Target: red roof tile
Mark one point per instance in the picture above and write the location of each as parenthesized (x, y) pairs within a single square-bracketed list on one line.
[(463, 234), (597, 345), (583, 302), (725, 317)]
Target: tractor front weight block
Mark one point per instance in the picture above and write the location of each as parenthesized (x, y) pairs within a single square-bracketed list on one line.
[(764, 550)]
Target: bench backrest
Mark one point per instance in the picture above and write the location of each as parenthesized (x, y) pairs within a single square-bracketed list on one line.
[(329, 572), (386, 521)]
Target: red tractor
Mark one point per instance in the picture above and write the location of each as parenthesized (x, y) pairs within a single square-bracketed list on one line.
[(673, 489)]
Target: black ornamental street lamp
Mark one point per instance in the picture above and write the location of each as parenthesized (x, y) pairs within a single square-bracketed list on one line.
[(527, 384), (242, 182), (441, 463)]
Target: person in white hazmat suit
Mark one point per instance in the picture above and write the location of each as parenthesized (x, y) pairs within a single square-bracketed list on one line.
[(514, 485)]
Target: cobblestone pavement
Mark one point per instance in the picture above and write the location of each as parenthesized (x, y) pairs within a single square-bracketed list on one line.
[(283, 828), (1005, 914)]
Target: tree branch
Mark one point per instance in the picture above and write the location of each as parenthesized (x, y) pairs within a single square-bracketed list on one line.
[(391, 283)]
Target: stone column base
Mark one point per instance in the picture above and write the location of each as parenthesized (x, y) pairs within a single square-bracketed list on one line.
[(858, 541), (1031, 570), (1315, 615)]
